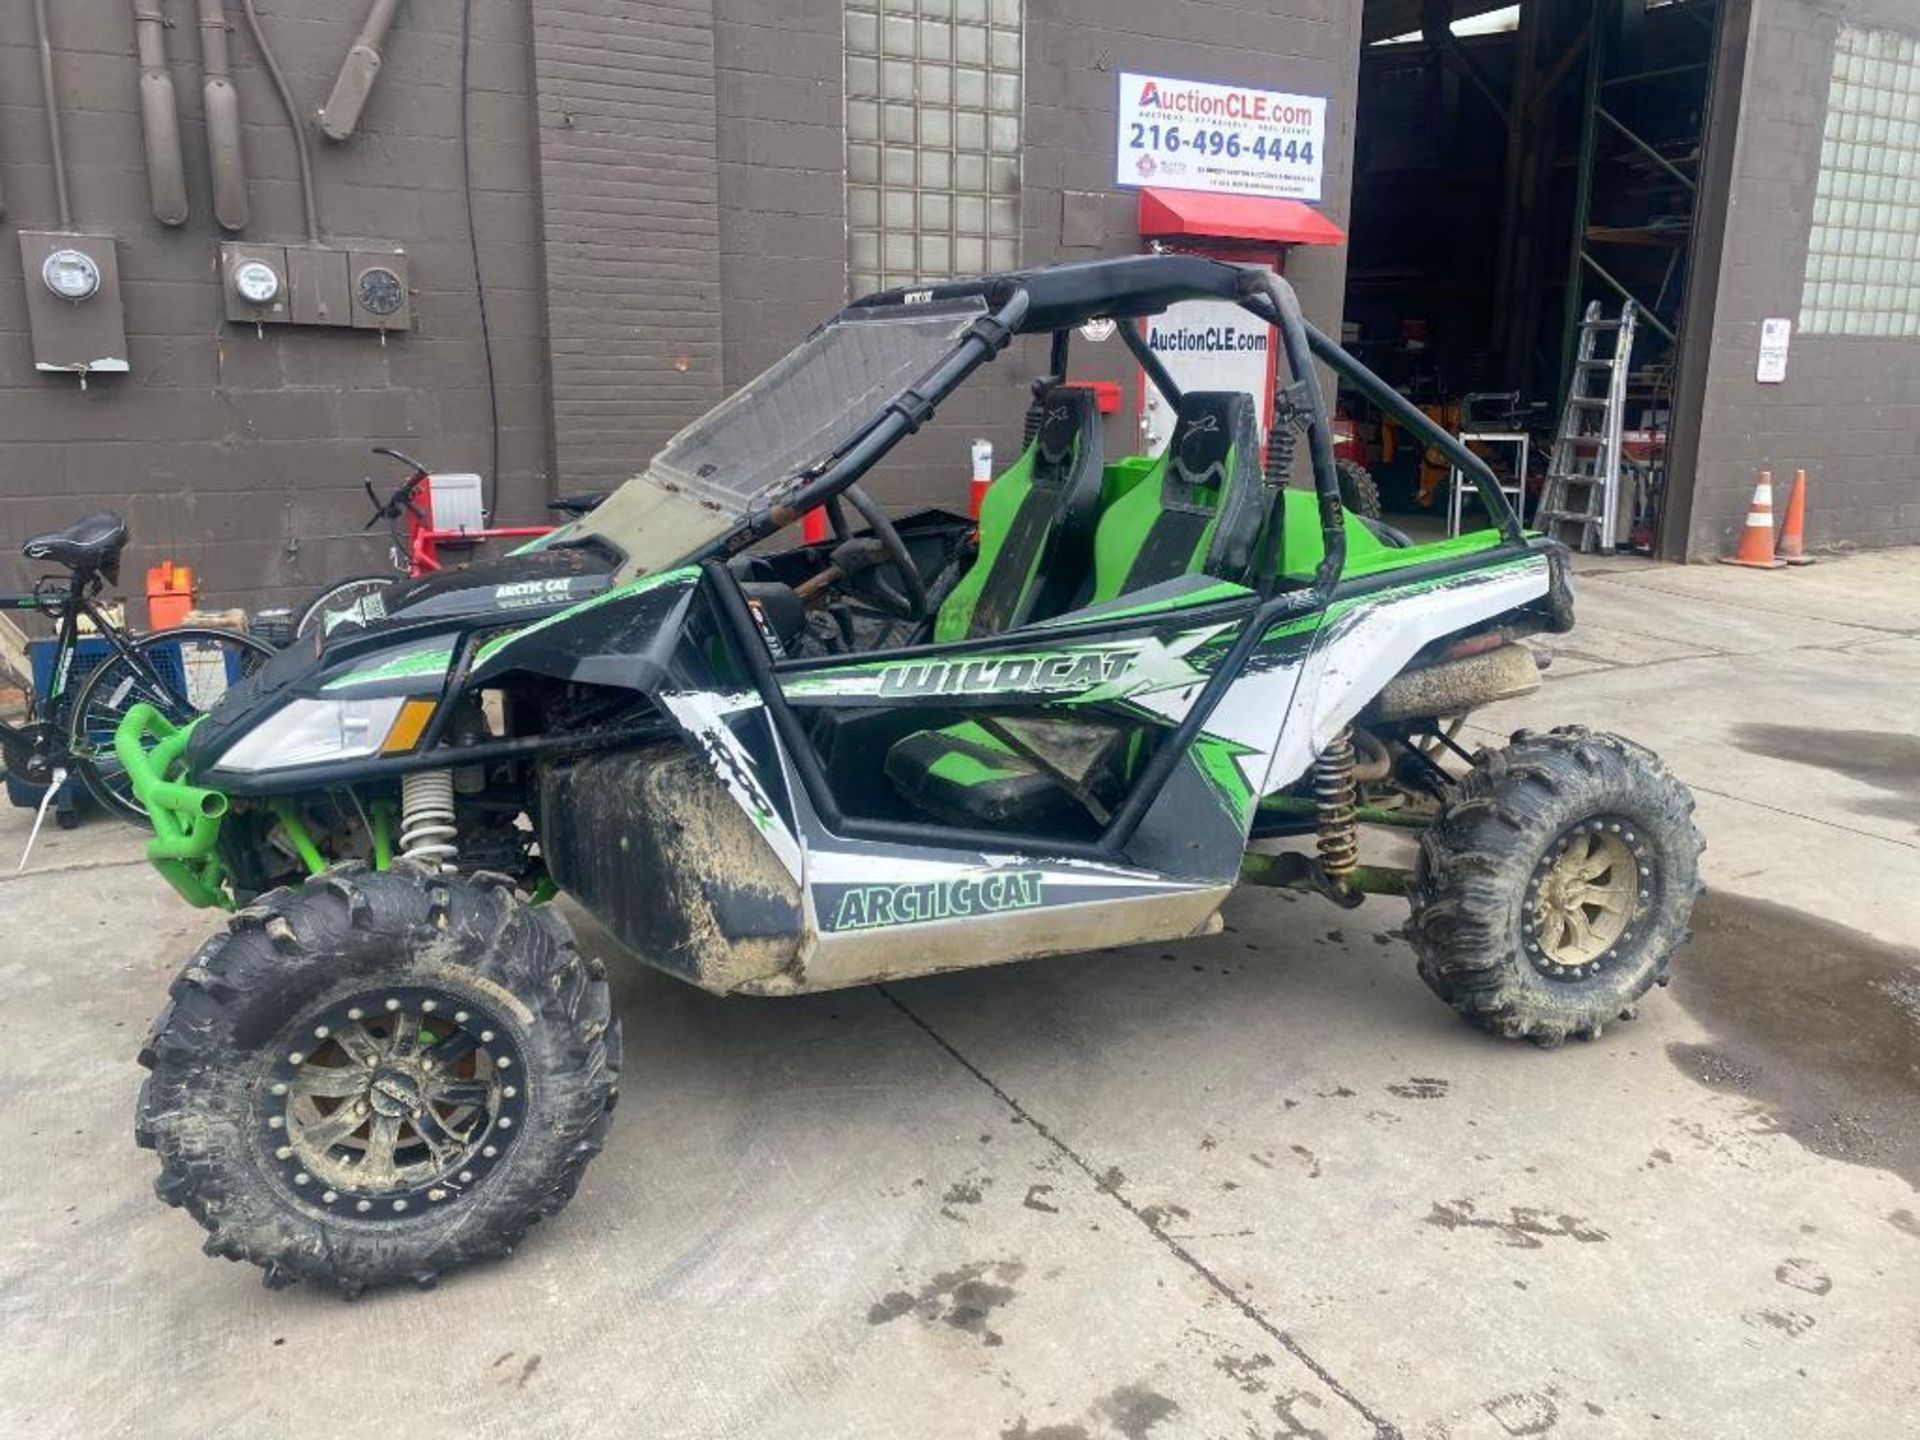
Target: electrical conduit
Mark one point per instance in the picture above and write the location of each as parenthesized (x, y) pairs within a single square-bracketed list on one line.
[(222, 103), (159, 115), (55, 144), (341, 113), (293, 119)]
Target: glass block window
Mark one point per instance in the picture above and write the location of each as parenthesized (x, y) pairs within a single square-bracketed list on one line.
[(1863, 256), (933, 139)]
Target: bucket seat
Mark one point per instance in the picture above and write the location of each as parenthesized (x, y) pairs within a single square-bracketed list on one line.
[(1036, 525), (1199, 511)]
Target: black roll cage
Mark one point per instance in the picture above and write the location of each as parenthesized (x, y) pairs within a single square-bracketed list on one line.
[(1056, 298), (1053, 301)]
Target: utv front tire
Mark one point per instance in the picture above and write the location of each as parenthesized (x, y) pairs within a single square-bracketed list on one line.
[(1556, 884), (378, 1077)]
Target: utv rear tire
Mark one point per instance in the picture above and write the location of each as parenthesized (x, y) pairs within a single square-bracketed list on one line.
[(1358, 492), (1495, 896), (254, 1077)]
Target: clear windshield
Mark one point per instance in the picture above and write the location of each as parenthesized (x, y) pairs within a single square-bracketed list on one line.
[(792, 420)]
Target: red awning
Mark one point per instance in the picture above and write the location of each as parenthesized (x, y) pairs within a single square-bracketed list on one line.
[(1198, 214)]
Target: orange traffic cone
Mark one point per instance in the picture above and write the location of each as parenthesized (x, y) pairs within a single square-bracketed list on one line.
[(1793, 529), (1756, 539)]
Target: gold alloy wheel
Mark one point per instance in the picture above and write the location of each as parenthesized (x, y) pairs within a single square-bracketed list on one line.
[(1584, 897), (399, 1099)]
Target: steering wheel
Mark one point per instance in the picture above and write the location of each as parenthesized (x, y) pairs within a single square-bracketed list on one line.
[(869, 585)]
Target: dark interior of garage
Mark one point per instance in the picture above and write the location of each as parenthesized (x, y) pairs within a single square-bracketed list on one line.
[(1513, 165)]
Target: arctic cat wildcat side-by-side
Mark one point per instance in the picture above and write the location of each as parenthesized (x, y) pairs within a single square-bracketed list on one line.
[(919, 746)]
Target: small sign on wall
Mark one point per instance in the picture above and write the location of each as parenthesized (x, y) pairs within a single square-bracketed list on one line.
[(1231, 139), (1775, 336)]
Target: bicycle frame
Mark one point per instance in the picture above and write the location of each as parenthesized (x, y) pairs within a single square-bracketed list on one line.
[(23, 748)]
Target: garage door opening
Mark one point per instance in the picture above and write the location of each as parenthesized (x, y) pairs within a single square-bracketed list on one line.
[(1515, 165)]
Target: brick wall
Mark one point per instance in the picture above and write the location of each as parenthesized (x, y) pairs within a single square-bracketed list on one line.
[(659, 193), (243, 455), (630, 211), (1849, 411)]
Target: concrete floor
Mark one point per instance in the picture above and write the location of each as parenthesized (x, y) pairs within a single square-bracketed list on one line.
[(1256, 1185)]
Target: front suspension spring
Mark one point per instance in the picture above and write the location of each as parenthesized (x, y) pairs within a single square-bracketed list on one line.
[(428, 829), (1334, 799)]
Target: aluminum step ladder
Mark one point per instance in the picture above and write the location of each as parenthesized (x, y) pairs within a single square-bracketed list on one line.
[(1581, 501)]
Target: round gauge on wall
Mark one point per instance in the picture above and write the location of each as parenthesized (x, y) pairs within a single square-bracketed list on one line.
[(70, 274), (256, 282), (380, 291)]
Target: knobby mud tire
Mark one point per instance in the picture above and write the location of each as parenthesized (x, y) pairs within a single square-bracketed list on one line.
[(251, 993), (1470, 893)]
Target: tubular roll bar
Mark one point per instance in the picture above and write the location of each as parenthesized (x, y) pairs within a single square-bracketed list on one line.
[(1121, 826), (906, 413), (1325, 350), (1423, 425), (1269, 297), (1150, 362)]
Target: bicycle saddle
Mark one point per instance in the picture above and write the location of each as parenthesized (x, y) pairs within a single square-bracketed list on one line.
[(89, 546)]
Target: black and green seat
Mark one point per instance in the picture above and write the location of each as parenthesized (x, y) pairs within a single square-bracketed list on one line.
[(1197, 511), (1036, 525)]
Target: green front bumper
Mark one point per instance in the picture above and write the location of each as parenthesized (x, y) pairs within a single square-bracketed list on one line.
[(185, 818)]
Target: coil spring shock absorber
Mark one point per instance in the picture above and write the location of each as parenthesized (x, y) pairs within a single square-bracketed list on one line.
[(1334, 798), (427, 828)]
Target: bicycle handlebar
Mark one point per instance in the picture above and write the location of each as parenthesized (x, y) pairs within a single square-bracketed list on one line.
[(401, 501), (402, 457)]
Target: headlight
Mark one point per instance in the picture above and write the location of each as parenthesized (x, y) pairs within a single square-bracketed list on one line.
[(307, 732)]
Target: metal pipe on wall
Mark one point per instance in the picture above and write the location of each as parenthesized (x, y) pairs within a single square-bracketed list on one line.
[(341, 113), (222, 104), (159, 115), (278, 76), (56, 146)]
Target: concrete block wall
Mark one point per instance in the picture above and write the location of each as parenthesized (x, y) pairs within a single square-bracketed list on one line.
[(630, 215), (659, 207), (1849, 410), (242, 455), (782, 179)]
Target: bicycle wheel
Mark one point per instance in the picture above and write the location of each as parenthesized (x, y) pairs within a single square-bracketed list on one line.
[(342, 598), (182, 673)]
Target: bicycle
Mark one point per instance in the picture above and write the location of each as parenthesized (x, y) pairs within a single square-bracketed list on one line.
[(183, 671), (417, 552)]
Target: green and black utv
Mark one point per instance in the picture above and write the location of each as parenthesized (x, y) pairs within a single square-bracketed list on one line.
[(919, 746)]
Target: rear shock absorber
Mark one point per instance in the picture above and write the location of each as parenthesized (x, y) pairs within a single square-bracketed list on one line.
[(1334, 798), (427, 829)]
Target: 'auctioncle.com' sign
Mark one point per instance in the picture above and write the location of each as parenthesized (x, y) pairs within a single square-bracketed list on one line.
[(1233, 139)]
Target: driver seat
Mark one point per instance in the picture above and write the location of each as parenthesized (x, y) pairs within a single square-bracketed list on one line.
[(1036, 525), (90, 546)]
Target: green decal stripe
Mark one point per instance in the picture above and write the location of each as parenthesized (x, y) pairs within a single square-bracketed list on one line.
[(685, 574), (1399, 592), (836, 680), (1218, 761), (432, 660)]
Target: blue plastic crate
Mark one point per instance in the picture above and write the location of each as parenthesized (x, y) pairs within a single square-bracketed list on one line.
[(89, 653)]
